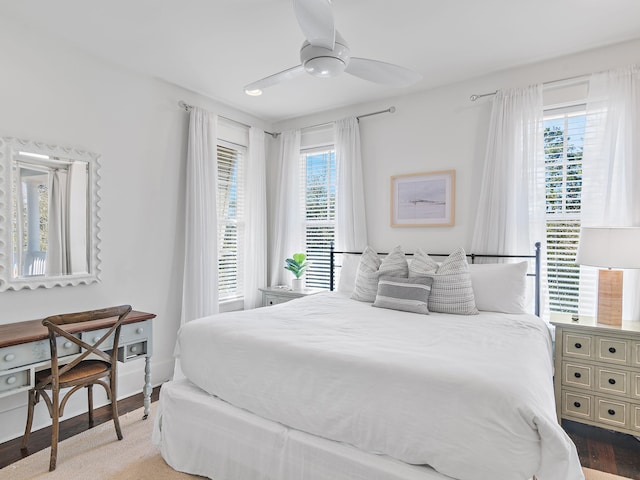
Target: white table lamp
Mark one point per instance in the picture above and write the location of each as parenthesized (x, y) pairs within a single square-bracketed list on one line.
[(611, 248)]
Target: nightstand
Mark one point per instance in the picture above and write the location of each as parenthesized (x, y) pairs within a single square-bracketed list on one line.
[(275, 295), (597, 373)]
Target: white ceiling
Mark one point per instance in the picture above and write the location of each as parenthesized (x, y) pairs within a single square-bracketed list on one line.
[(215, 47)]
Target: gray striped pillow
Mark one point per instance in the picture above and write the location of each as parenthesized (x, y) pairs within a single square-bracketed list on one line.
[(405, 294), (452, 290), (371, 268)]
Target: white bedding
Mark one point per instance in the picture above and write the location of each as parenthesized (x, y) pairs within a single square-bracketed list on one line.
[(472, 396)]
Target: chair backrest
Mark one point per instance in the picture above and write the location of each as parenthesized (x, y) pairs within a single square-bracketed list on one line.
[(56, 324)]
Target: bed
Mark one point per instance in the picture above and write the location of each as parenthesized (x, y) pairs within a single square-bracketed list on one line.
[(330, 387)]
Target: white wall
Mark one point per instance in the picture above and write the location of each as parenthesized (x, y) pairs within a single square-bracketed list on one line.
[(52, 93), (442, 129)]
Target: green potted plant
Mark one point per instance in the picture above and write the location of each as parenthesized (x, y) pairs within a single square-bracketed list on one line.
[(297, 265)]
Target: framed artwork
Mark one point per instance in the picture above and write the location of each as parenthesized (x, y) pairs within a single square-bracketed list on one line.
[(423, 199)]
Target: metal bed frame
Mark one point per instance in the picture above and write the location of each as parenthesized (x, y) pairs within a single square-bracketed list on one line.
[(472, 256)]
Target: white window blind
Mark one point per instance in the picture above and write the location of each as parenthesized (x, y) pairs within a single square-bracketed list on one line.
[(230, 205), (319, 200), (564, 134)]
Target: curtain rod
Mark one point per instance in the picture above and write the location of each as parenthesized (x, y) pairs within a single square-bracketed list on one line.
[(187, 108), (388, 110), (475, 97)]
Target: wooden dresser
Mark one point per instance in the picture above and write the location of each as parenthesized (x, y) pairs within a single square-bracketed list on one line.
[(597, 373), (24, 349)]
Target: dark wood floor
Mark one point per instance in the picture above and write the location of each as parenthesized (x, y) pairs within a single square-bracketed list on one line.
[(598, 449)]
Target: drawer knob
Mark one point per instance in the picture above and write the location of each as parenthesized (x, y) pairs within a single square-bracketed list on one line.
[(9, 357), (612, 381), (612, 350), (577, 374), (611, 411), (139, 330), (95, 339), (11, 380), (67, 345), (578, 345), (134, 349), (577, 404)]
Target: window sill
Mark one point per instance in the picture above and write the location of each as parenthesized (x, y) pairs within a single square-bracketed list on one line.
[(231, 304)]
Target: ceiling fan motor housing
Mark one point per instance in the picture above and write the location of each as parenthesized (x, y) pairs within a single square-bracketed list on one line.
[(323, 62)]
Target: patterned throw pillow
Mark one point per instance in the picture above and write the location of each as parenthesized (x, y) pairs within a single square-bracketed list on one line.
[(371, 268), (452, 290), (406, 294)]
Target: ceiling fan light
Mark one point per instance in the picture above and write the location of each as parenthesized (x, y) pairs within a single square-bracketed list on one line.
[(324, 67), (254, 93)]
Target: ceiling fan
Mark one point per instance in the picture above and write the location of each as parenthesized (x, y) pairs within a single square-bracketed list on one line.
[(326, 54)]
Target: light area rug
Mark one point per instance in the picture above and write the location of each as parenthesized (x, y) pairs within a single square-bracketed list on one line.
[(98, 455)]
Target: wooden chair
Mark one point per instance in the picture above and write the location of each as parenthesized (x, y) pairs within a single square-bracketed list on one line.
[(90, 367)]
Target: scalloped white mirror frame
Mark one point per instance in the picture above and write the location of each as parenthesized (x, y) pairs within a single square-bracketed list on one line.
[(8, 147)]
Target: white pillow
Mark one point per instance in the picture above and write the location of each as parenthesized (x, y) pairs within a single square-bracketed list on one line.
[(347, 273), (500, 287), (371, 268)]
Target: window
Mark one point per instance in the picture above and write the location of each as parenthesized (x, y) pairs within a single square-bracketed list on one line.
[(230, 205), (564, 132), (319, 194)]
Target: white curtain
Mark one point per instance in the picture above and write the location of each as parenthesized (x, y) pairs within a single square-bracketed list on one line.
[(286, 228), (57, 249), (351, 224), (78, 214), (200, 283), (255, 238), (611, 162), (511, 207)]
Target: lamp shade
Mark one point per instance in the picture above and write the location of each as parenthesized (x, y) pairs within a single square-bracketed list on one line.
[(609, 247)]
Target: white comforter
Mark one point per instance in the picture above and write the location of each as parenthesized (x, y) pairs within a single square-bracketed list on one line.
[(472, 396)]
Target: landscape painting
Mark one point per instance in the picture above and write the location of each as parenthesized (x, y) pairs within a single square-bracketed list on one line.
[(423, 199)]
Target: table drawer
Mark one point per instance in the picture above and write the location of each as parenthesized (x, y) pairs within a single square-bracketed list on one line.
[(577, 405), (132, 351), (274, 300), (577, 375), (28, 353), (609, 380), (612, 350), (130, 332), (612, 412), (577, 345), (15, 380)]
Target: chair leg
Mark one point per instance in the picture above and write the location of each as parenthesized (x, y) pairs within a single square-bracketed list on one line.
[(90, 404), (55, 427), (114, 404), (30, 407)]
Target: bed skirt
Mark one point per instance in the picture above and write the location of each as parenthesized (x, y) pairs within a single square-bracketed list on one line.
[(200, 434)]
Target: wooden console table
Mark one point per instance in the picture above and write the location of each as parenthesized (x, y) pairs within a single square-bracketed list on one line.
[(24, 349)]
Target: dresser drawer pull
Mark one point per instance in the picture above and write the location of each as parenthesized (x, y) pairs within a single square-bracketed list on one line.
[(612, 350), (611, 411), (577, 374), (612, 381), (134, 349), (11, 380), (67, 345), (578, 345), (139, 330), (96, 338), (577, 404), (9, 357)]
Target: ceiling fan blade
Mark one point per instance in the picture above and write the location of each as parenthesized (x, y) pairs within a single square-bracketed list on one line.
[(382, 72), (274, 79), (316, 22)]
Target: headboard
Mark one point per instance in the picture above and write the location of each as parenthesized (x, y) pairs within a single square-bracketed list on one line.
[(471, 256)]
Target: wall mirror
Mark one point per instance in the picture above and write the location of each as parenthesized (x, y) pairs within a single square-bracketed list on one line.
[(48, 215)]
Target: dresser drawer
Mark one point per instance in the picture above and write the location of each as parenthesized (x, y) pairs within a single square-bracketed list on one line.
[(28, 353), (130, 332), (612, 350), (15, 380), (274, 300), (610, 380), (612, 412), (578, 375), (577, 345), (577, 405)]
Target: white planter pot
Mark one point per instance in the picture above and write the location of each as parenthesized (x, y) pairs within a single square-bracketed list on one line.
[(297, 284)]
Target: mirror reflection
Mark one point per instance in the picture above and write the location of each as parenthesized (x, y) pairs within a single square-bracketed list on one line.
[(49, 215)]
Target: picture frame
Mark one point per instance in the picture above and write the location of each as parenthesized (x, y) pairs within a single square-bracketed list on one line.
[(423, 199)]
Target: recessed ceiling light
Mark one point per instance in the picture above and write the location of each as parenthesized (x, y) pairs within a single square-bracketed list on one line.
[(253, 93)]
